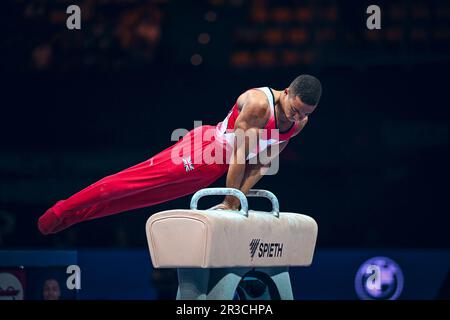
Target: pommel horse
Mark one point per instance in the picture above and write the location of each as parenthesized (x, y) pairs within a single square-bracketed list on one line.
[(226, 255)]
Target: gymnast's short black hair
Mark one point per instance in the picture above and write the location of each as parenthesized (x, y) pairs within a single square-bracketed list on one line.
[(308, 88)]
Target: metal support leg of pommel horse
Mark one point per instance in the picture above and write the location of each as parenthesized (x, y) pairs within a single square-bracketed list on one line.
[(197, 255), (222, 283)]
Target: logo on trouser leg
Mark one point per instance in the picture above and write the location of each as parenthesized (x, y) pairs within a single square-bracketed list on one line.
[(187, 162)]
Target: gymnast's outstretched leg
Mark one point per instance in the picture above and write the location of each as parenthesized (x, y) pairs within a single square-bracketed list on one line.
[(151, 182)]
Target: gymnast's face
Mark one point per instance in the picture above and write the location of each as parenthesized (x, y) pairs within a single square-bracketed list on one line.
[(294, 108)]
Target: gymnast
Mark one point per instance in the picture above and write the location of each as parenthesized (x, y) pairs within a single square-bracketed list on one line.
[(201, 157)]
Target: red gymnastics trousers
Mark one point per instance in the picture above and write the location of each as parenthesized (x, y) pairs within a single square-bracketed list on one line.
[(154, 181)]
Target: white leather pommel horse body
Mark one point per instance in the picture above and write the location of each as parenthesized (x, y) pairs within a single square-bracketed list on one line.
[(219, 253)]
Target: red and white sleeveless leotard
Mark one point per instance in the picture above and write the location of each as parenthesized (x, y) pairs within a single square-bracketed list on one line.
[(269, 137)]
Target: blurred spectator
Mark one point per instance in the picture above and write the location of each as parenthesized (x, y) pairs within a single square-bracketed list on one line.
[(42, 56), (113, 33), (51, 290), (7, 225)]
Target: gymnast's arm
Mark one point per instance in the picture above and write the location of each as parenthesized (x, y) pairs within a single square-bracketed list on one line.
[(254, 172), (250, 120)]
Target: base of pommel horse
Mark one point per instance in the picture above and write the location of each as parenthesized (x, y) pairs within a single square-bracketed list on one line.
[(226, 255), (234, 283)]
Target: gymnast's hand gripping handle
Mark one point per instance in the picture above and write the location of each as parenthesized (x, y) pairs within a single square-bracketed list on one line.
[(269, 195), (221, 192)]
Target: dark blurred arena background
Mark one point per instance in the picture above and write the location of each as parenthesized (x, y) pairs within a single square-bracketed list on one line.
[(371, 166)]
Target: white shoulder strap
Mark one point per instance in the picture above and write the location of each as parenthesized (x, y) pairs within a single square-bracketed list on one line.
[(269, 96)]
